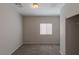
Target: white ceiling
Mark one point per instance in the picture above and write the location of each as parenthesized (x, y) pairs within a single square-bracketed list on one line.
[(45, 9)]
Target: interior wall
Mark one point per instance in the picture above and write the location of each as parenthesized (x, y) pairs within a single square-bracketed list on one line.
[(10, 29), (68, 10), (62, 34), (72, 35), (32, 30)]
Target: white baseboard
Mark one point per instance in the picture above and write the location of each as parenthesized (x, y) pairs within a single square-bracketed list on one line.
[(39, 43), (20, 44)]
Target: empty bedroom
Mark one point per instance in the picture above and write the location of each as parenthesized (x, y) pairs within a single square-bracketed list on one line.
[(30, 28), (41, 28)]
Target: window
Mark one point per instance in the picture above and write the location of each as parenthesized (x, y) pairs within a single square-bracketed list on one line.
[(45, 29)]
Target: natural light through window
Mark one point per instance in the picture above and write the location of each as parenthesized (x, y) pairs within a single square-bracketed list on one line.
[(45, 29)]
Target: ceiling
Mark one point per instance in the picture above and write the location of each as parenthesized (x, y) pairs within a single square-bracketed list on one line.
[(45, 9)]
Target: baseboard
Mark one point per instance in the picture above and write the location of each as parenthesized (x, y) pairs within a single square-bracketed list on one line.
[(20, 44), (40, 43)]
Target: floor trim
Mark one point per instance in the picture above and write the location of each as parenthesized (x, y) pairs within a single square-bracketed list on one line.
[(19, 45)]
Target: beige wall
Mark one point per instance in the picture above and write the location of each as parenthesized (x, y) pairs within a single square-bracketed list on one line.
[(10, 29), (32, 30)]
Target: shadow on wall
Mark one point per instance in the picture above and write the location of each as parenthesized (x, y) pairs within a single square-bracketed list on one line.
[(72, 35)]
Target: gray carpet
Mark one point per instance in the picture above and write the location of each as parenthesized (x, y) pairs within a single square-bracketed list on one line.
[(40, 49)]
